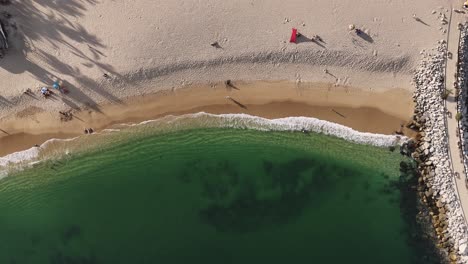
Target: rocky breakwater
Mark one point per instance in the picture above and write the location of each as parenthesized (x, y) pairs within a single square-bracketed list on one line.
[(461, 93), (431, 151)]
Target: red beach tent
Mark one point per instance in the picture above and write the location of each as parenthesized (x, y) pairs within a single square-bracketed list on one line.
[(293, 35)]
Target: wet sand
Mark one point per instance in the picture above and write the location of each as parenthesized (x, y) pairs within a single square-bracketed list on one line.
[(363, 110)]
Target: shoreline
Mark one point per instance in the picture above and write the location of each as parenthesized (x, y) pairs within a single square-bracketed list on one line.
[(363, 110), (199, 120), (175, 56)]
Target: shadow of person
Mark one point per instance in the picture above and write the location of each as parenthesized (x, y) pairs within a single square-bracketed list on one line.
[(230, 85), (365, 36), (236, 102), (216, 45), (338, 113), (319, 39), (421, 21), (318, 43), (315, 39)]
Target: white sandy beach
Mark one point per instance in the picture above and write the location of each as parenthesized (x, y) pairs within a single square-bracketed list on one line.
[(145, 46)]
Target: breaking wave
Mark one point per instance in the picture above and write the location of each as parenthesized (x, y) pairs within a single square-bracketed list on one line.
[(55, 148)]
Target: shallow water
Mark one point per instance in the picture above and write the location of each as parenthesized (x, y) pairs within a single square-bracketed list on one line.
[(213, 196)]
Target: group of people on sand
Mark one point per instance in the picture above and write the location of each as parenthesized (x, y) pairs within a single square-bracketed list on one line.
[(46, 92), (64, 116)]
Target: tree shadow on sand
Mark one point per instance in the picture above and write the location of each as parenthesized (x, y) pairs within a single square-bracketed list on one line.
[(49, 21)]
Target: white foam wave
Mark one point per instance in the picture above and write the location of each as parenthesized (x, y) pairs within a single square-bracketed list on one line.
[(110, 130), (25, 157), (52, 140), (308, 124), (19, 156), (238, 121)]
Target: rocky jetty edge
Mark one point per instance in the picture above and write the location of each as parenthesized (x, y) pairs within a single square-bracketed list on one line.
[(430, 149)]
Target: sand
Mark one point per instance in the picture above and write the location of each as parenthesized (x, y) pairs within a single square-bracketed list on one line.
[(376, 112), (146, 47)]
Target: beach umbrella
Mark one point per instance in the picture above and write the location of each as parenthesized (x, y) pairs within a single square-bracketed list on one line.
[(43, 90)]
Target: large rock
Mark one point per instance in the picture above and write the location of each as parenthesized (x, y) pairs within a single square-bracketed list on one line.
[(439, 204), (442, 210), (428, 193), (462, 248), (442, 217), (453, 257), (426, 146)]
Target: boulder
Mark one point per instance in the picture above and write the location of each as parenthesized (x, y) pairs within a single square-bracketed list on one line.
[(426, 145), (442, 217), (462, 248), (439, 204), (453, 257), (428, 193)]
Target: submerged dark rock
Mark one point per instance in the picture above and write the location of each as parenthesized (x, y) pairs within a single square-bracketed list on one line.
[(70, 233), (237, 208)]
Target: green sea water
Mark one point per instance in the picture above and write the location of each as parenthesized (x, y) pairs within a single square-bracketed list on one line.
[(214, 196)]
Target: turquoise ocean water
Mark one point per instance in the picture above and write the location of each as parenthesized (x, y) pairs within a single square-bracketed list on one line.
[(214, 195)]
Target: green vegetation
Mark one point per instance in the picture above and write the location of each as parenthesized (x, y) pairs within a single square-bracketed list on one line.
[(446, 93)]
